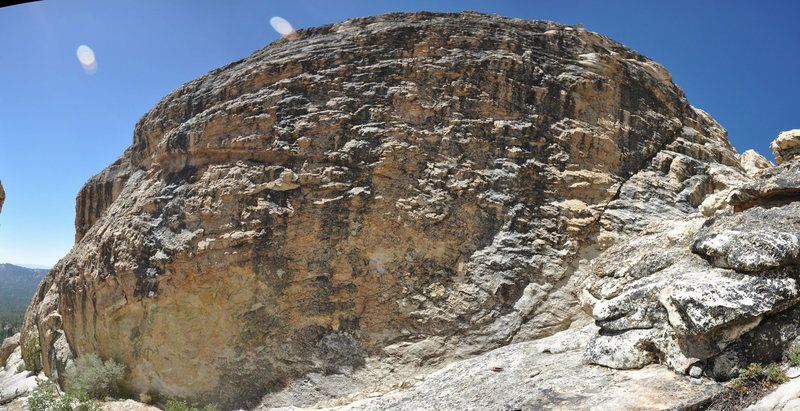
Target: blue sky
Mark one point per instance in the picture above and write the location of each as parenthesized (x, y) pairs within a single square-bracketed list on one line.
[(60, 125)]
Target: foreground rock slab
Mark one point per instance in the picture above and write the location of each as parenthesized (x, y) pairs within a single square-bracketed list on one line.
[(14, 384), (785, 398), (127, 405), (546, 375)]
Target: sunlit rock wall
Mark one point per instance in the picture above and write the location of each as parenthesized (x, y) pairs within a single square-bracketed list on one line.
[(374, 197)]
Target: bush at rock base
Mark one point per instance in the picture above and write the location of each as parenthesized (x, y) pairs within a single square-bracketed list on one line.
[(793, 355), (174, 404), (96, 378), (47, 398), (31, 355), (772, 373)]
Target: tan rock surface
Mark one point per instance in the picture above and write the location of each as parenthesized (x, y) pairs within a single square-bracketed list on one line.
[(370, 201), (787, 146), (8, 346), (753, 163)]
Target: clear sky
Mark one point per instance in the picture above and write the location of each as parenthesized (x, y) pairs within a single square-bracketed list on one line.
[(60, 124)]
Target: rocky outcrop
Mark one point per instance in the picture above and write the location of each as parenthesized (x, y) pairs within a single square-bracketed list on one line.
[(753, 163), (712, 295), (98, 193), (657, 301), (776, 187), (787, 146), (379, 197), (2, 197), (8, 346)]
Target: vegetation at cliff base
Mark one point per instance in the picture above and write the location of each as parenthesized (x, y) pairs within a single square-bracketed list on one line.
[(95, 377), (174, 404), (772, 373), (31, 355), (793, 355), (47, 398)]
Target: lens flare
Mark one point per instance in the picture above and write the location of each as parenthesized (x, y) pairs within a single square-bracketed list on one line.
[(86, 57), (282, 26)]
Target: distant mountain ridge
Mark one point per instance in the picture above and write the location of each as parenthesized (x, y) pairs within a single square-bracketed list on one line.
[(36, 266), (17, 286)]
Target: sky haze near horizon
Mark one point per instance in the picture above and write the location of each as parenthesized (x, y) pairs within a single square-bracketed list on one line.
[(61, 123)]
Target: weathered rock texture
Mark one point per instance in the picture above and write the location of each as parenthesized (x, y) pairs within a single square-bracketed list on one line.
[(14, 384), (8, 346), (712, 294), (546, 374), (787, 146), (372, 199), (754, 163)]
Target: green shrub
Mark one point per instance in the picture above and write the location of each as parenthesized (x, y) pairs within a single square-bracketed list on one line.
[(174, 404), (32, 355), (793, 355), (46, 398), (775, 373), (94, 377), (758, 372)]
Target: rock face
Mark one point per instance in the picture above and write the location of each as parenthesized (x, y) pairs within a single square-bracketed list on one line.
[(2, 196), (380, 196)]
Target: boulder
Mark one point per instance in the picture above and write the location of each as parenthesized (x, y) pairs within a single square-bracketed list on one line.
[(787, 146), (372, 200), (784, 398), (756, 240), (8, 346), (753, 162)]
